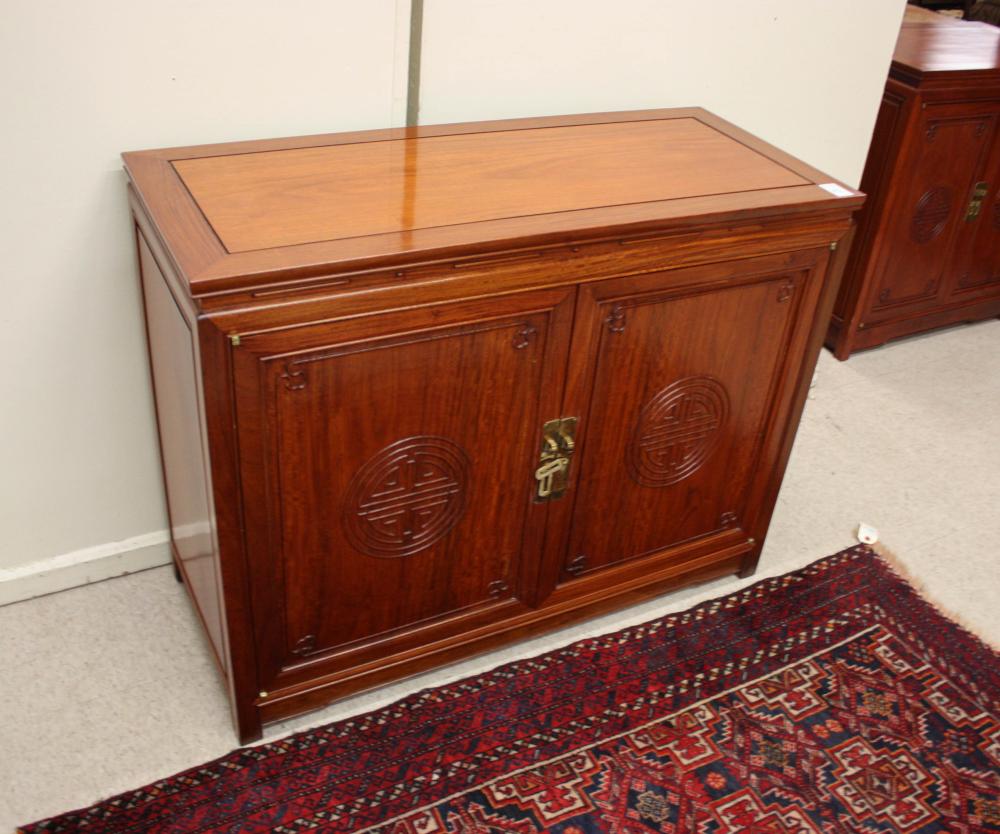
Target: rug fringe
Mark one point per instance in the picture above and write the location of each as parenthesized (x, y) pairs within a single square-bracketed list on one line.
[(899, 567)]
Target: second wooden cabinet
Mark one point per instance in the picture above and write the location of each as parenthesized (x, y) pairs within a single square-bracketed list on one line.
[(927, 252)]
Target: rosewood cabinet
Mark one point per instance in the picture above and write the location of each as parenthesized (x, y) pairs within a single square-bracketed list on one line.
[(424, 392), (927, 251)]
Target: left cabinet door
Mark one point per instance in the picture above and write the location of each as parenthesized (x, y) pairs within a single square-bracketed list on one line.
[(387, 476)]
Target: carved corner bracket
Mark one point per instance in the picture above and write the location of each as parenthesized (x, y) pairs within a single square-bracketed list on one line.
[(616, 319)]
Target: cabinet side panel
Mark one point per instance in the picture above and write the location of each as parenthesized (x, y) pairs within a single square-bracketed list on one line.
[(175, 385), (876, 182)]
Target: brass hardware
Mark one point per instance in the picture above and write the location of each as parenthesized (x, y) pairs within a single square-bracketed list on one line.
[(551, 477), (833, 246), (566, 433), (557, 448), (976, 203), (234, 340), (263, 693)]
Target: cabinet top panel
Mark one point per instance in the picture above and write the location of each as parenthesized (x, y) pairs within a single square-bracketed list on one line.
[(947, 47), (235, 214), (304, 195)]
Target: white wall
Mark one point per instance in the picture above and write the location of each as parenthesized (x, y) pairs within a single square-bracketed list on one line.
[(79, 83), (806, 75)]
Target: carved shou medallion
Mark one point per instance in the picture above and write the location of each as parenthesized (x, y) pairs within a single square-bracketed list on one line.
[(677, 431), (931, 214), (408, 496)]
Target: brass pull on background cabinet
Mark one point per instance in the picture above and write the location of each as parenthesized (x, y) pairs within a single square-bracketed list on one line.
[(557, 448), (976, 203)]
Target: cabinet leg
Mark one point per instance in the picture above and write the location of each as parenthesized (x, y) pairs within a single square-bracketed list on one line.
[(749, 565), (249, 729), (177, 571)]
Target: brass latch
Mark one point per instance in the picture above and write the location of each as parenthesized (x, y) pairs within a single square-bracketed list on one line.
[(558, 445), (976, 203)]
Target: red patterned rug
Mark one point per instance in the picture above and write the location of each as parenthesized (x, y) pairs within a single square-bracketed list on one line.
[(833, 699)]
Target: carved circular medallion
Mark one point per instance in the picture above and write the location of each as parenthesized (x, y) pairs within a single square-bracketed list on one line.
[(931, 214), (677, 431), (406, 497)]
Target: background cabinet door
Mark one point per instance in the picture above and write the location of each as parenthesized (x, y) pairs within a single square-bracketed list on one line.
[(946, 158), (977, 253), (683, 387), (387, 473)]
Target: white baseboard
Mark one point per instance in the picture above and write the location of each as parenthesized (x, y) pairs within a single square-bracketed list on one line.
[(81, 567)]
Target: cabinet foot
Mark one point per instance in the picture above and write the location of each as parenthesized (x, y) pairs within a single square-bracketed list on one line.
[(749, 565), (177, 572)]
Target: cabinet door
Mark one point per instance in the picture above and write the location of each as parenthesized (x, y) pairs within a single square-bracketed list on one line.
[(946, 157), (976, 270), (689, 377), (387, 474)]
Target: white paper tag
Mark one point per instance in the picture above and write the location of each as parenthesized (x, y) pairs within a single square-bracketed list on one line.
[(836, 190), (867, 534)]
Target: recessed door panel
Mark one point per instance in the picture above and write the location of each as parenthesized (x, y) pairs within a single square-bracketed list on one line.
[(393, 487), (682, 391)]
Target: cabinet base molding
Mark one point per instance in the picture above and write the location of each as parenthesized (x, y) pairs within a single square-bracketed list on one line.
[(278, 706), (879, 333), (424, 393)]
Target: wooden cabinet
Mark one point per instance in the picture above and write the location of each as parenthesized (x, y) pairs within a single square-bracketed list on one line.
[(927, 252), (422, 393)]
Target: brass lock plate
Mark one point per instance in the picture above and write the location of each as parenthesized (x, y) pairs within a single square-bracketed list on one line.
[(976, 203), (557, 449)]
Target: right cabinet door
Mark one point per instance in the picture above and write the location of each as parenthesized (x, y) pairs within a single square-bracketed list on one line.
[(689, 377), (976, 270), (946, 159)]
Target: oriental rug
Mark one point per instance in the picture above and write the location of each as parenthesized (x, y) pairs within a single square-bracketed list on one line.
[(831, 699)]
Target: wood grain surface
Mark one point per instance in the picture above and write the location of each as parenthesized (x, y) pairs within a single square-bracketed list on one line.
[(243, 214), (305, 195)]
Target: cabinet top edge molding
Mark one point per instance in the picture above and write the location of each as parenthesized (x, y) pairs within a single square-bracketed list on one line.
[(952, 46), (239, 214)]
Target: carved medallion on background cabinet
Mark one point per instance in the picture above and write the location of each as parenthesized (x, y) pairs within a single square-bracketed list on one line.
[(931, 214), (677, 431), (406, 497)]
